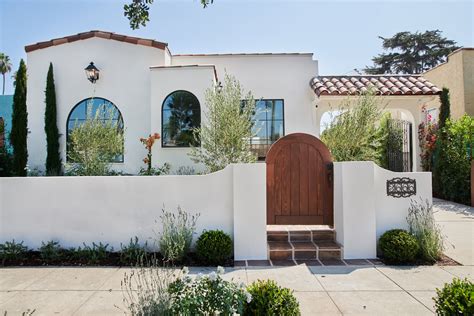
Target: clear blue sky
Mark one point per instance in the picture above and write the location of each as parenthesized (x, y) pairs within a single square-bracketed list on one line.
[(343, 35)]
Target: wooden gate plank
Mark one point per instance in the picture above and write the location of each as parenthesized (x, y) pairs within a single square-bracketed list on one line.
[(304, 179), (295, 179), (285, 180), (313, 181)]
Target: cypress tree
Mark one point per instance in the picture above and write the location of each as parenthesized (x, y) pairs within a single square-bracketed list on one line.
[(53, 160), (19, 132), (439, 154), (445, 108)]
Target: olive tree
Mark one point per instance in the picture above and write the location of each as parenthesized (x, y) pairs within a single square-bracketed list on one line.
[(93, 144), (227, 129)]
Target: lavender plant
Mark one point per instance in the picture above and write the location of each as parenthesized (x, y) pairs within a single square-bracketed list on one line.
[(177, 235), (422, 225)]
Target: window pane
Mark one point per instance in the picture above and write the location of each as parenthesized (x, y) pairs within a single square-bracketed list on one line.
[(268, 125), (275, 130), (181, 115), (260, 110), (277, 111)]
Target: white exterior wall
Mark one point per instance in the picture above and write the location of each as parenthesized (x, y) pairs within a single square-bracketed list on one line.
[(164, 81), (114, 209), (124, 80), (275, 76), (362, 209)]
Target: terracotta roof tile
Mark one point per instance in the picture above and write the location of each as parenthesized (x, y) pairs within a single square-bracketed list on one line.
[(101, 34), (383, 85)]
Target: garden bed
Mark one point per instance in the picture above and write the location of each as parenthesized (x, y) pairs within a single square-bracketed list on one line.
[(111, 259)]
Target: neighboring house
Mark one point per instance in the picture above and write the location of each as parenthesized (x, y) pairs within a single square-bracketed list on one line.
[(6, 110), (456, 74), (151, 90)]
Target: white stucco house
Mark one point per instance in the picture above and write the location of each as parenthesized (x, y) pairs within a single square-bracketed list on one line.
[(151, 90)]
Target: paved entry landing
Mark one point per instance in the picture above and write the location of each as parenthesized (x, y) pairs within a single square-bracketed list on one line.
[(303, 243)]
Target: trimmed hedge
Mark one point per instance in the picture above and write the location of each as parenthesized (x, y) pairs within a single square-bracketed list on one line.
[(270, 299), (214, 247), (398, 246)]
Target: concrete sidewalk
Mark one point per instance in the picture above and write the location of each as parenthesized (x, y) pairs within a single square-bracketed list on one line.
[(333, 290), (321, 290)]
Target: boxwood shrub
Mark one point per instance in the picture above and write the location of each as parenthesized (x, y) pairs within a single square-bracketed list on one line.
[(270, 299), (214, 247), (455, 298), (398, 246)]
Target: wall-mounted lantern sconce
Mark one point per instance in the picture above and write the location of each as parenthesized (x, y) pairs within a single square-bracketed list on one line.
[(92, 72)]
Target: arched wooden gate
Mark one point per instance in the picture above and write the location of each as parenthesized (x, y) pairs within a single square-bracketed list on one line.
[(299, 182)]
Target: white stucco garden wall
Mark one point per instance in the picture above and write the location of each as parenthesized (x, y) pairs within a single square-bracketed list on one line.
[(111, 210), (124, 80), (362, 209)]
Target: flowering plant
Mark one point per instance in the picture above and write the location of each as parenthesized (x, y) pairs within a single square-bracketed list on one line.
[(427, 135), (149, 171), (207, 295)]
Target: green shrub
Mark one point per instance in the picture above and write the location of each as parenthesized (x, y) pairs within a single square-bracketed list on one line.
[(50, 251), (452, 160), (422, 225), (455, 298), (177, 235), (207, 295), (270, 299), (214, 247), (133, 252), (11, 250), (398, 246)]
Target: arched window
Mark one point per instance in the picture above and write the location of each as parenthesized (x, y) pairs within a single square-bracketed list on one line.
[(89, 108), (181, 114)]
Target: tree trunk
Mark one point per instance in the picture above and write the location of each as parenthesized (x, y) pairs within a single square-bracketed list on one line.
[(3, 90)]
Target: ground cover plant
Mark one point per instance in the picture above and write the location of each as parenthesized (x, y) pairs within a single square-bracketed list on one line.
[(455, 298), (214, 247), (12, 250)]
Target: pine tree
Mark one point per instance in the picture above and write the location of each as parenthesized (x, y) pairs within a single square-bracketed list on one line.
[(53, 159), (19, 132)]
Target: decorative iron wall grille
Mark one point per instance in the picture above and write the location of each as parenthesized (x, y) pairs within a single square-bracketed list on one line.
[(401, 187), (399, 151)]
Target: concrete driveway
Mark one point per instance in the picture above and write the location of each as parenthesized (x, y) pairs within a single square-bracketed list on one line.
[(321, 290)]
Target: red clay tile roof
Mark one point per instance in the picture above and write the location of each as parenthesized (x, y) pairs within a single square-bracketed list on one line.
[(101, 34), (383, 85)]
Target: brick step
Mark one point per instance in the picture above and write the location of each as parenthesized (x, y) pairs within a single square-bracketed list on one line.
[(304, 250), (324, 234)]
